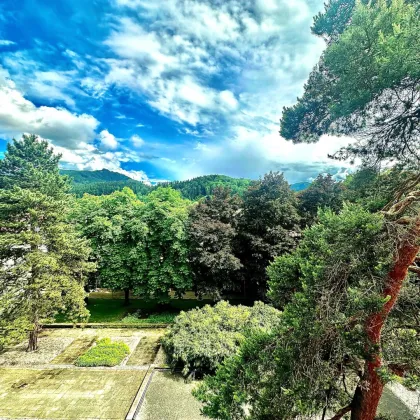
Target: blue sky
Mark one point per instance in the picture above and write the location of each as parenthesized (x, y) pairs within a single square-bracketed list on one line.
[(161, 90)]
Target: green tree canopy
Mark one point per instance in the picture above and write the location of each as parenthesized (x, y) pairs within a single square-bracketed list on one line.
[(366, 82), (200, 339), (322, 193), (268, 227), (165, 266), (43, 261), (212, 232), (315, 360), (114, 225)]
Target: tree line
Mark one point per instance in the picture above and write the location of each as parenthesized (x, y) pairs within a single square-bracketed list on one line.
[(349, 291), (219, 246), (340, 260)]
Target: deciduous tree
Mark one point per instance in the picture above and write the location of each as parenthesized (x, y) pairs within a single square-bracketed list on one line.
[(212, 232), (115, 227), (322, 193), (268, 227), (165, 266)]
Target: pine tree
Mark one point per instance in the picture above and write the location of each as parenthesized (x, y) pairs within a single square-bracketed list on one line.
[(43, 262)]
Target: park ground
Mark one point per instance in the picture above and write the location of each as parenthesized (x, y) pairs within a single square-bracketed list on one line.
[(47, 385)]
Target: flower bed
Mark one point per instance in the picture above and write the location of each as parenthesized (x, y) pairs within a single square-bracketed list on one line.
[(105, 353)]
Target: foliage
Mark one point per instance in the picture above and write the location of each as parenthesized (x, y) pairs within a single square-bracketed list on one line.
[(322, 193), (114, 226), (108, 187), (298, 369), (373, 188), (43, 260), (332, 22), (268, 227), (165, 264), (212, 231), (366, 83), (204, 186), (105, 353), (200, 339)]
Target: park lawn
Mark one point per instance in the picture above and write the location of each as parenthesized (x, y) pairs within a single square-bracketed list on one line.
[(113, 310), (67, 393)]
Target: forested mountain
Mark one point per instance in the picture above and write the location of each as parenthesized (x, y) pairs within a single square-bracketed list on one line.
[(300, 186), (85, 177), (108, 187), (105, 182), (204, 185)]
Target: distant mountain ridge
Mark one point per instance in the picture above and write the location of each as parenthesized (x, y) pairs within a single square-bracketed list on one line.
[(299, 186), (104, 182), (103, 175)]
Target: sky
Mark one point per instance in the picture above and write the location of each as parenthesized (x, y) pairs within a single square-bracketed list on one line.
[(162, 90)]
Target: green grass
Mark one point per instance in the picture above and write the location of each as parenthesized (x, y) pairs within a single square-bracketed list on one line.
[(163, 318), (113, 310), (105, 353)]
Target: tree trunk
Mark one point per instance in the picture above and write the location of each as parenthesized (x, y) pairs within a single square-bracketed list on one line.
[(33, 338), (369, 391), (86, 287), (126, 297)]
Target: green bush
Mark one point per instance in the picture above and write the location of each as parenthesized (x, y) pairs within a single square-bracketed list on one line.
[(163, 318), (105, 353), (200, 339)]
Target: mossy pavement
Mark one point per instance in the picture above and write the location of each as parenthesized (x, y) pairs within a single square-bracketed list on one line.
[(67, 393), (59, 390)]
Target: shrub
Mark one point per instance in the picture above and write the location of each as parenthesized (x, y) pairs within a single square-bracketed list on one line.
[(105, 353), (200, 339)]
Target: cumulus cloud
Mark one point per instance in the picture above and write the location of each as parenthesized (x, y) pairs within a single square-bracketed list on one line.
[(107, 141), (70, 134), (218, 71), (250, 154), (174, 50), (18, 115), (87, 157), (137, 141)]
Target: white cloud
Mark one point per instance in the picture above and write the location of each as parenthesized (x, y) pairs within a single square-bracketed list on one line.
[(18, 115), (137, 141), (107, 141), (262, 48), (87, 157), (136, 175), (251, 154), (6, 42), (69, 134)]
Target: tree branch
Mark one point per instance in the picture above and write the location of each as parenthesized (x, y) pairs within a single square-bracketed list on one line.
[(341, 413), (414, 269)]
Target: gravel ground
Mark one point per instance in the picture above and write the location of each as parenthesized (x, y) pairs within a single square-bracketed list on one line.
[(49, 348), (411, 399)]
